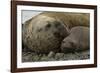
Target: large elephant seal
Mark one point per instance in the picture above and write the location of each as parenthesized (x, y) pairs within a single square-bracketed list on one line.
[(78, 40), (44, 32)]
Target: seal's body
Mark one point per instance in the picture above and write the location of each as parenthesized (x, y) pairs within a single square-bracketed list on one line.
[(77, 40)]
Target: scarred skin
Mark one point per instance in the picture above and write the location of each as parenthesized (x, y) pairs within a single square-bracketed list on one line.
[(77, 40), (45, 32)]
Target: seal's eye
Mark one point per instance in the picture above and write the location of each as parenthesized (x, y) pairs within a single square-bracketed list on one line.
[(63, 41), (48, 25), (57, 24)]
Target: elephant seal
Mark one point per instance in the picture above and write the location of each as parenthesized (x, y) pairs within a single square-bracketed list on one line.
[(77, 40), (44, 32)]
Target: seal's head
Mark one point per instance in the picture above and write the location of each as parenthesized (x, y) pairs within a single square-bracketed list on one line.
[(68, 45), (45, 24)]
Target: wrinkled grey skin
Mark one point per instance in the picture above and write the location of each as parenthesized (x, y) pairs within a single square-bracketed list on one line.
[(43, 34), (77, 40)]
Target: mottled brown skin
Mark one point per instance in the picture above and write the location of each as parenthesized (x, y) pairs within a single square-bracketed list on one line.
[(78, 40), (44, 32)]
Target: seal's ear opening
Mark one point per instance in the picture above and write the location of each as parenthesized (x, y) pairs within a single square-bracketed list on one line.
[(57, 24)]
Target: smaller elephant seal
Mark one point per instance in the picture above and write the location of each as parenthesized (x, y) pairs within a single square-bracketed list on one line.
[(77, 40)]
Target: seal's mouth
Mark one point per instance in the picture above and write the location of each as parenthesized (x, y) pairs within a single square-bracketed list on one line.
[(67, 50), (57, 34)]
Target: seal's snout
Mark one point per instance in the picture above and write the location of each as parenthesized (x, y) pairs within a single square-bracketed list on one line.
[(57, 34), (67, 46)]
